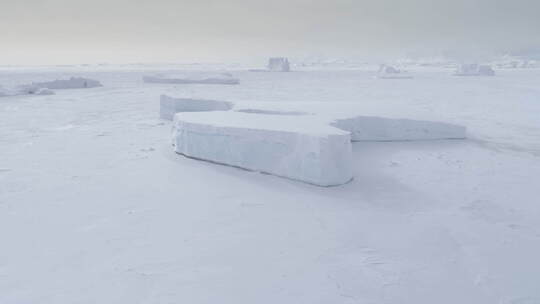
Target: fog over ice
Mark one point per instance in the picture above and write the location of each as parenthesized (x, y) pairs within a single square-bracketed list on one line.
[(74, 31)]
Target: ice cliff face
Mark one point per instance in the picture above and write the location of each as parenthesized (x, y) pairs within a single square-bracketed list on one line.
[(280, 145)]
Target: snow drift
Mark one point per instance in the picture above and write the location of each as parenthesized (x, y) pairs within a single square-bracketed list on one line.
[(287, 146), (72, 83), (169, 106), (193, 78)]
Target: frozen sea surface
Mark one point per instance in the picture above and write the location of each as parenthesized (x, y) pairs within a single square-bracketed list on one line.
[(95, 207)]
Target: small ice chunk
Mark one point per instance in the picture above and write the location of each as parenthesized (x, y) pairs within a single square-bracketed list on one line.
[(44, 91)]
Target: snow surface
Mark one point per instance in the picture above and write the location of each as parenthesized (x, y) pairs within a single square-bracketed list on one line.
[(193, 78), (169, 106), (286, 146), (95, 206)]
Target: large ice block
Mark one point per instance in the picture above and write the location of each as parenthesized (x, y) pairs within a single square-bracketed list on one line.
[(295, 147)]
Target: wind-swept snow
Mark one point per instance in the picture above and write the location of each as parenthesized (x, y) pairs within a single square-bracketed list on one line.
[(286, 146), (95, 204)]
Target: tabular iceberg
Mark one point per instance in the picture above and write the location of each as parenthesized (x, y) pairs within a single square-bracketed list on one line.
[(371, 128), (288, 146), (168, 106), (279, 64), (72, 83), (474, 70), (193, 78)]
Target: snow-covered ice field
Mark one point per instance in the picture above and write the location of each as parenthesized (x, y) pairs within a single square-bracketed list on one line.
[(95, 206)]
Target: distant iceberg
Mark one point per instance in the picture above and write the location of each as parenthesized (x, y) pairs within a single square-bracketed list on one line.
[(168, 106), (279, 64), (275, 64), (193, 78), (72, 83), (389, 72), (474, 70)]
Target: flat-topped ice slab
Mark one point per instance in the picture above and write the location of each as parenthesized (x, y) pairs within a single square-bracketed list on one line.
[(361, 127), (295, 147), (169, 106), (371, 128), (72, 83), (193, 78)]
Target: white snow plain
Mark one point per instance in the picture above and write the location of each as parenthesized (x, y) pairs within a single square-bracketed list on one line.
[(95, 206)]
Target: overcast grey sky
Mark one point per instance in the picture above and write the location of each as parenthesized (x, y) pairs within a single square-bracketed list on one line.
[(75, 31)]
